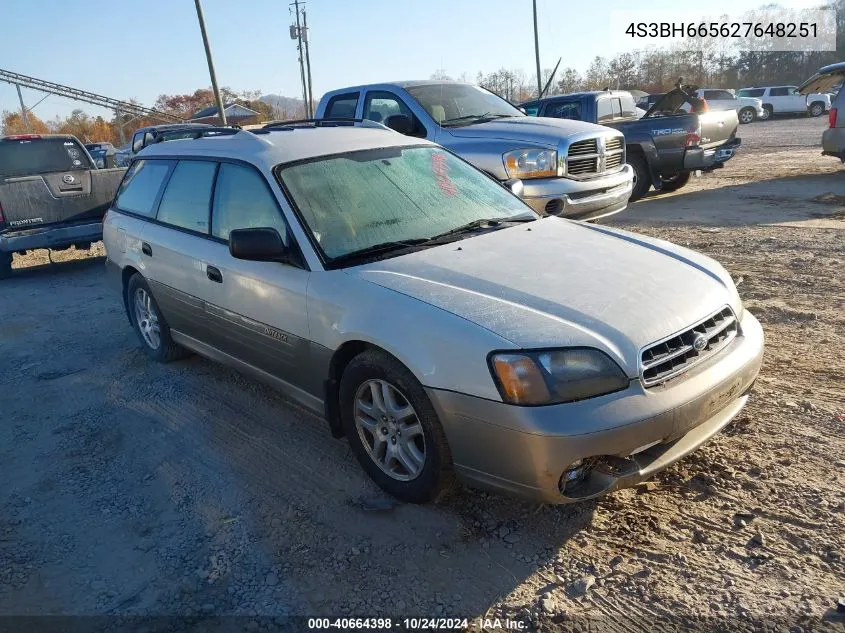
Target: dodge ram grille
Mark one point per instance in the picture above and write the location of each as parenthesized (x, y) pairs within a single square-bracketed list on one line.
[(667, 358), (595, 156)]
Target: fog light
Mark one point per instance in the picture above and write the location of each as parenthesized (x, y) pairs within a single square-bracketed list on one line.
[(574, 475)]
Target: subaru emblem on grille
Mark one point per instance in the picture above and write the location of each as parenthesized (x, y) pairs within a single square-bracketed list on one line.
[(699, 342)]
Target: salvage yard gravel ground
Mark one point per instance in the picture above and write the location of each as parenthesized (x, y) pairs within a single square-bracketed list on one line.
[(134, 488)]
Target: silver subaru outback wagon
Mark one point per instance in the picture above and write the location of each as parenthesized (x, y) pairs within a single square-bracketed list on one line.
[(436, 321)]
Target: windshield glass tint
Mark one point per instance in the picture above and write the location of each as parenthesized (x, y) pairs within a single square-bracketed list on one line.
[(361, 199), (447, 102), (40, 156)]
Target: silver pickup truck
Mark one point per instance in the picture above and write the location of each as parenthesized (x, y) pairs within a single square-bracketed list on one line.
[(51, 195), (569, 168)]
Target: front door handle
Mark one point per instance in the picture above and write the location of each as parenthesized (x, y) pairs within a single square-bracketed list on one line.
[(214, 274), (146, 249)]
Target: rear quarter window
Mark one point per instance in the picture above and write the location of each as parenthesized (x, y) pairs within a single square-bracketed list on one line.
[(342, 106), (25, 157), (140, 188)]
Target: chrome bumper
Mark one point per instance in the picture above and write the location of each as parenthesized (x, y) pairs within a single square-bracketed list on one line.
[(581, 199), (526, 450)]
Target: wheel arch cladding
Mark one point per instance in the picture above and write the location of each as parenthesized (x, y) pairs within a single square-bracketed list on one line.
[(340, 360), (126, 275)]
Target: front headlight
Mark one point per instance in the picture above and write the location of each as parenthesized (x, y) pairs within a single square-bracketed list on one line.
[(555, 376), (531, 163)]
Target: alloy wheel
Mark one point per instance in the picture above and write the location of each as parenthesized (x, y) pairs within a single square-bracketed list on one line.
[(746, 117), (390, 429), (146, 317)]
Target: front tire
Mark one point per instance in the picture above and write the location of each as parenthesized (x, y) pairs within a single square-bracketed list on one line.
[(816, 108), (393, 428), (673, 183), (747, 115), (5, 264), (149, 323), (768, 111), (642, 176)]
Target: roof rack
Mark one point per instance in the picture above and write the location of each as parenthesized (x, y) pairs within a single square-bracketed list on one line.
[(326, 122), (198, 132)]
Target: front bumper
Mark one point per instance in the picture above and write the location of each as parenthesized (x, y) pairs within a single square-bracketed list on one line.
[(581, 199), (526, 450), (51, 237), (713, 158)]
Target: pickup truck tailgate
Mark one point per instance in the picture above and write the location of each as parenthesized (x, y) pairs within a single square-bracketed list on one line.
[(72, 196), (717, 127)]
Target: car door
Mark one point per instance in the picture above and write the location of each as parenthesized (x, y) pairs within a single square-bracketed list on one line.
[(720, 100), (778, 97), (796, 102), (257, 310), (176, 246), (380, 105)]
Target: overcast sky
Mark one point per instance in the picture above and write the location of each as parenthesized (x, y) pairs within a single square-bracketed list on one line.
[(125, 49)]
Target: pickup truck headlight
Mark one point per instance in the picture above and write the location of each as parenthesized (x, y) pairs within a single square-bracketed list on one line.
[(531, 163), (555, 376)]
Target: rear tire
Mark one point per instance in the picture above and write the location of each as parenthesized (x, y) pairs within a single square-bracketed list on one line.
[(816, 108), (673, 183), (747, 115), (5, 264), (149, 323), (373, 423), (642, 176)]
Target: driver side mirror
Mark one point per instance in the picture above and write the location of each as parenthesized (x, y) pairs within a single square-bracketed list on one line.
[(260, 245), (400, 123)]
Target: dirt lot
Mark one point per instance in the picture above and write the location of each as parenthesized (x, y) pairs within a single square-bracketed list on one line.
[(133, 488)]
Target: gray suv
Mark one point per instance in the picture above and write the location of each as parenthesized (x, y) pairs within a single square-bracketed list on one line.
[(569, 168), (434, 319), (833, 138)]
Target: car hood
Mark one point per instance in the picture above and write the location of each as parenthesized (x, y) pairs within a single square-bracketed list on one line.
[(552, 283), (528, 129)]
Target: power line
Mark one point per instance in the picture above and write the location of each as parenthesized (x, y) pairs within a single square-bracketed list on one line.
[(299, 33)]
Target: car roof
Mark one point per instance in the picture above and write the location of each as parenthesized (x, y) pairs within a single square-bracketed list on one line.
[(273, 147)]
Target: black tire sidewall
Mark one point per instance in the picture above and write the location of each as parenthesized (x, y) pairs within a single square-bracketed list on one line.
[(820, 106), (160, 354), (769, 112), (437, 468), (640, 166), (678, 181)]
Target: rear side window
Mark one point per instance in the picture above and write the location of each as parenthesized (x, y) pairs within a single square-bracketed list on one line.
[(342, 106), (242, 200), (604, 110), (565, 110), (187, 200), (24, 157), (718, 95), (752, 92), (141, 186), (531, 109), (629, 108), (778, 92)]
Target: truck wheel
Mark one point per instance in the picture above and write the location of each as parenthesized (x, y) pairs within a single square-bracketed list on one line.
[(816, 108), (5, 265), (149, 322), (393, 428), (747, 115), (642, 176), (768, 111), (673, 183)]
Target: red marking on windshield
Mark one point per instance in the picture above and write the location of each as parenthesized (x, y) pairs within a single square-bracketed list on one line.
[(441, 174)]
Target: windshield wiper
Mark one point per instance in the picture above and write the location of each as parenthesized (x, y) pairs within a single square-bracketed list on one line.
[(381, 247), (475, 118), (480, 224)]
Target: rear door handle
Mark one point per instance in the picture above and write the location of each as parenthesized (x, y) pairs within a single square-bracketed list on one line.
[(214, 274), (146, 249)]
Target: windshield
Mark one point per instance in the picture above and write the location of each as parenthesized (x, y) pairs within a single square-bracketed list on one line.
[(461, 104), (360, 199), (24, 157)]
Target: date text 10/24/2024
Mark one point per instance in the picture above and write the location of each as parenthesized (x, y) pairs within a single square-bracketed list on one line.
[(415, 624)]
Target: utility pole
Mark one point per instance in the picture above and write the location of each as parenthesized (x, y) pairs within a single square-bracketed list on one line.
[(220, 111), (296, 34), (24, 114), (308, 64), (536, 53)]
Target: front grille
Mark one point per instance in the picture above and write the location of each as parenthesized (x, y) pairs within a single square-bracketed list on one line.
[(582, 166), (595, 156), (590, 146), (613, 161), (613, 143), (670, 357)]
